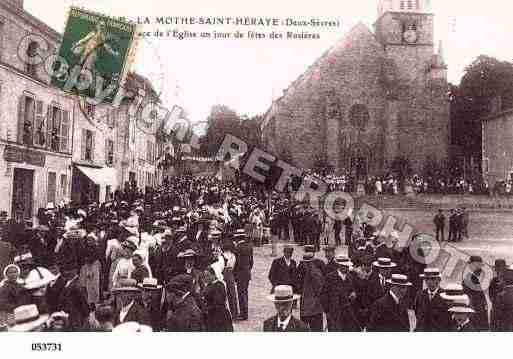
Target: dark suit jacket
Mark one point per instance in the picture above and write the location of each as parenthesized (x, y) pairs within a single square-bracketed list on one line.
[(375, 290), (295, 325), (504, 310), (244, 262), (186, 317), (73, 300), (281, 274), (469, 327), (218, 318), (387, 316), (432, 316), (337, 305), (137, 313), (53, 293), (478, 302), (330, 267)]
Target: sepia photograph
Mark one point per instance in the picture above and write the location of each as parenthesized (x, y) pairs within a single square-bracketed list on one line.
[(313, 168)]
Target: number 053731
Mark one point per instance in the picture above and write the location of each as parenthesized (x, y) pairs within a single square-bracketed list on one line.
[(47, 347)]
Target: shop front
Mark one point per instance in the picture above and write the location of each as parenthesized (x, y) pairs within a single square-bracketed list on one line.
[(30, 179), (93, 184)]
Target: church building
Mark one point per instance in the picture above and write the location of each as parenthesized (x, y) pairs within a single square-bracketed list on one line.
[(373, 97)]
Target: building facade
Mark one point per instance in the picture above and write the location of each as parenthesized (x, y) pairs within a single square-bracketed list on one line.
[(497, 145), (371, 98), (35, 121), (53, 146)]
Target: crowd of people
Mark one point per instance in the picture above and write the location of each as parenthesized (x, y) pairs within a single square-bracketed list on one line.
[(393, 184), (180, 258)]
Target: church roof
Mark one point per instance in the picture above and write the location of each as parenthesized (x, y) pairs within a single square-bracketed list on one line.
[(359, 36)]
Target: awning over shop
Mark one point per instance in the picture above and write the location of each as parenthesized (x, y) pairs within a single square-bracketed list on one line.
[(105, 176)]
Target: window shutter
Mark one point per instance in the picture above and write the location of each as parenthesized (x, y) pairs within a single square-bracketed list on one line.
[(83, 144), (92, 145), (49, 126), (65, 131), (107, 152), (39, 130), (21, 118)]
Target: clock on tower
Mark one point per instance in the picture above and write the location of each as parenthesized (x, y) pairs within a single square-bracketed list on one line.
[(410, 34), (404, 23)]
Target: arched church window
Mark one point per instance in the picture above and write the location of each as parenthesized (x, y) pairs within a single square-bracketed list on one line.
[(359, 116)]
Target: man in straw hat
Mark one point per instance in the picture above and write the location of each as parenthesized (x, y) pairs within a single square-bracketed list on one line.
[(378, 280), (242, 270), (283, 270), (337, 298), (389, 314), (430, 307), (496, 286), (473, 288), (73, 299), (284, 321), (28, 319), (310, 283), (461, 312)]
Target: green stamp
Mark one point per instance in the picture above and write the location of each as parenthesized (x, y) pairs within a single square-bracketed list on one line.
[(95, 55)]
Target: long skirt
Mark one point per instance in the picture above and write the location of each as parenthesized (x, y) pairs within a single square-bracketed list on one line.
[(231, 292)]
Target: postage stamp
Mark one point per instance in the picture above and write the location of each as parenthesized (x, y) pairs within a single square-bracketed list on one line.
[(97, 52)]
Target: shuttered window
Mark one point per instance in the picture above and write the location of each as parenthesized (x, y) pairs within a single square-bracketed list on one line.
[(109, 152), (87, 147), (64, 186), (51, 187), (39, 125), (64, 133), (26, 120), (55, 128)]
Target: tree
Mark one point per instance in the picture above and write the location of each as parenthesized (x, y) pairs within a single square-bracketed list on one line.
[(484, 80), (223, 121)]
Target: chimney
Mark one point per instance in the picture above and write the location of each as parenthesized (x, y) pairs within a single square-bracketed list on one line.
[(16, 3)]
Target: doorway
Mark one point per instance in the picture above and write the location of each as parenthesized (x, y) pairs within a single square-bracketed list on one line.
[(359, 167), (22, 194)]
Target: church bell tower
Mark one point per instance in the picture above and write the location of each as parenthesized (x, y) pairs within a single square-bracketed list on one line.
[(405, 28), (417, 104)]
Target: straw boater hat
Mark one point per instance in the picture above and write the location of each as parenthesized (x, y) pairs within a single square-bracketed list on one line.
[(189, 253), (25, 258), (451, 291), (282, 294), (431, 273), (343, 261), (399, 280), (384, 263), (308, 256), (240, 233), (74, 232), (28, 318), (132, 327), (150, 284), (126, 286), (215, 234), (461, 305)]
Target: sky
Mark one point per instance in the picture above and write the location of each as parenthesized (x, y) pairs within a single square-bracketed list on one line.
[(247, 74)]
